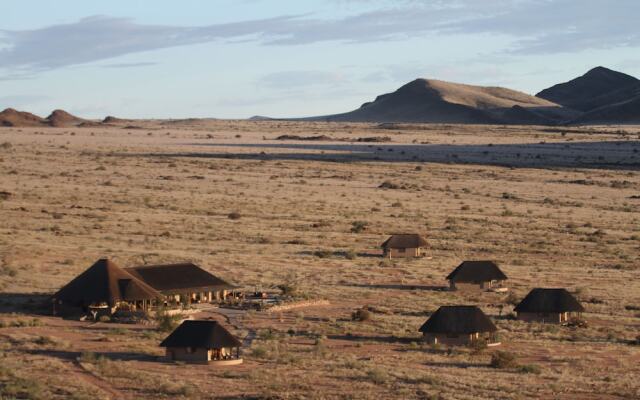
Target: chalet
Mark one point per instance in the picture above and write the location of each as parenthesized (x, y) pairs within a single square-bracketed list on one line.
[(459, 326), (183, 283), (548, 305), (102, 289), (202, 341), (476, 275), (404, 245)]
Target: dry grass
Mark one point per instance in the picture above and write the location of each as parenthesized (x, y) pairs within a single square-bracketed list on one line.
[(311, 218)]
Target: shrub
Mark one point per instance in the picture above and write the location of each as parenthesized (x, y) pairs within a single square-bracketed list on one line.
[(529, 369), (350, 255), (165, 321), (478, 346), (361, 314), (88, 357), (378, 376), (503, 359), (289, 289), (388, 185), (359, 226), (176, 389), (259, 352), (577, 322), (234, 215), (386, 263), (322, 253)]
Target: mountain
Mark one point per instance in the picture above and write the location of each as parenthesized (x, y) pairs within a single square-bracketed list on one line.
[(625, 112), (11, 117), (60, 118), (597, 88), (434, 101)]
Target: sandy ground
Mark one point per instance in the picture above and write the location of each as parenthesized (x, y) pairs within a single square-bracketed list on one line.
[(554, 207)]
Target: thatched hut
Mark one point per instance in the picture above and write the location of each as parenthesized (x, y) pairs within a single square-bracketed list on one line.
[(404, 245), (202, 341), (555, 306), (459, 326), (476, 275), (102, 289), (184, 283)]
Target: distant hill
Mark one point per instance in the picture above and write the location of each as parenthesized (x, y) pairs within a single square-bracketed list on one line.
[(597, 88), (260, 118), (11, 117), (57, 118), (434, 101), (600, 96), (626, 112), (60, 118)]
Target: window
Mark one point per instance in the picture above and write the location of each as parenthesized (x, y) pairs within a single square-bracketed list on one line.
[(191, 350)]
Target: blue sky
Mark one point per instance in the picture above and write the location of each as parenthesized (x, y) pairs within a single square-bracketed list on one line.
[(235, 59)]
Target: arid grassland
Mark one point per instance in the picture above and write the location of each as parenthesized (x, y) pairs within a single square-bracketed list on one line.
[(554, 207)]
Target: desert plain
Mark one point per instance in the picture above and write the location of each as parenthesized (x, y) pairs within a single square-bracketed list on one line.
[(555, 207)]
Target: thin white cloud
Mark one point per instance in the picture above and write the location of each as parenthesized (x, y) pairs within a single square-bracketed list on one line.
[(535, 26)]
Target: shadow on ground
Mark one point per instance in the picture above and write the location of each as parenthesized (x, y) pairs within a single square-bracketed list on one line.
[(113, 356), (29, 303), (603, 154), (400, 286)]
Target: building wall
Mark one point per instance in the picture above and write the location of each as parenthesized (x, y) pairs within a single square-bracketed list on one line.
[(199, 355), (448, 340), (468, 286), (407, 253), (551, 318), (471, 286)]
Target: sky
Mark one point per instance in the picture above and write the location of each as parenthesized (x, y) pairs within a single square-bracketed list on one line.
[(291, 58)]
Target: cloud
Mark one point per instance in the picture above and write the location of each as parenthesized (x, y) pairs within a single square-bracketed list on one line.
[(102, 37), (130, 65), (556, 26), (302, 78), (18, 101), (534, 26)]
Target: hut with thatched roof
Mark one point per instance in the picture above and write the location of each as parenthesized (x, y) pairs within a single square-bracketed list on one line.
[(102, 289), (404, 245), (459, 326), (183, 283), (555, 305), (202, 341), (476, 275)]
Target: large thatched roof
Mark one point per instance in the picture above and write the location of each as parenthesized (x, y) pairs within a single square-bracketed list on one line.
[(477, 271), (201, 334), (105, 282), (458, 320), (404, 241), (178, 278), (544, 300)]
